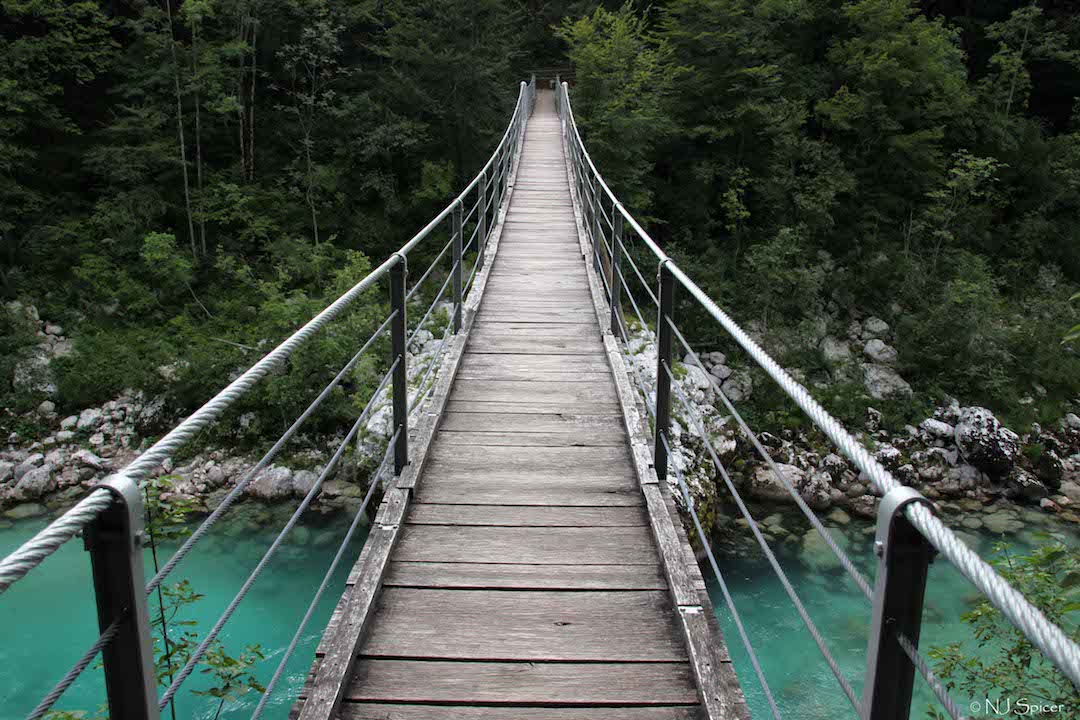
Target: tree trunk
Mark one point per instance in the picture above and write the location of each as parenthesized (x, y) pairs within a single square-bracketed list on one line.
[(251, 102), (180, 130), (198, 135)]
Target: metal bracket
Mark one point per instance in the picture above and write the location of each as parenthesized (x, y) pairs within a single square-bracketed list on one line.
[(904, 557), (115, 540)]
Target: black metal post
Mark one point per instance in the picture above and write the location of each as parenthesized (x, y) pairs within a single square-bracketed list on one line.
[(663, 363), (616, 267), (399, 381), (114, 540), (458, 262), (904, 557), (481, 223)]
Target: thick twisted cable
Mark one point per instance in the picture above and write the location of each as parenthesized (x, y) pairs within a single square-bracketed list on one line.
[(178, 436), (265, 460), (1046, 636), (76, 670), (689, 500), (845, 562), (34, 551), (200, 651), (325, 581)]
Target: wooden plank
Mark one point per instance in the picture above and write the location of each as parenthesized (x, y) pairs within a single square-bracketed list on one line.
[(574, 463), (537, 363), (542, 546), (534, 488), (514, 625), (531, 439), (533, 422), (516, 516), (534, 392), (537, 329), (536, 345), (525, 577), (341, 644), (552, 684), (718, 686), (381, 711), (571, 408)]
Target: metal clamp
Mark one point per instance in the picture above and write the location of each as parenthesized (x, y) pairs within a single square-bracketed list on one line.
[(904, 557), (114, 540)]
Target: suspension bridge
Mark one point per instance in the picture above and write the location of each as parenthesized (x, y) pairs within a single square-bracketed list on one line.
[(528, 558)]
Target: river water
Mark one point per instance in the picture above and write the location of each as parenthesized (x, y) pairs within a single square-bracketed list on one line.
[(49, 616)]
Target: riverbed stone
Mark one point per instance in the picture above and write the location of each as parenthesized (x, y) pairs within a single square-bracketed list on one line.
[(986, 443), (89, 419), (31, 461), (26, 510), (874, 327), (764, 483), (835, 351), (880, 352), (883, 382), (273, 483), (937, 428), (35, 484)]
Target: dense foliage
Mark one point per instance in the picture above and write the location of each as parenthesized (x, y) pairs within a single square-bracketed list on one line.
[(184, 181), (988, 667), (818, 161)]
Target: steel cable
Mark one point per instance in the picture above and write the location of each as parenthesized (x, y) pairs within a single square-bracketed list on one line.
[(325, 581), (418, 283), (76, 670), (845, 562), (689, 500), (34, 551), (229, 499), (200, 651)]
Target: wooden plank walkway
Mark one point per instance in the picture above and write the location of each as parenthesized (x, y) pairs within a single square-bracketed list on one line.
[(519, 574)]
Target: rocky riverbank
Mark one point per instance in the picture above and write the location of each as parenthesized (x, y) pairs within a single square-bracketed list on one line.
[(48, 473), (962, 457)]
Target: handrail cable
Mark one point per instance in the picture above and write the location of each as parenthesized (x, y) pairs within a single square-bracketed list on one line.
[(1050, 639), (200, 651), (374, 482)]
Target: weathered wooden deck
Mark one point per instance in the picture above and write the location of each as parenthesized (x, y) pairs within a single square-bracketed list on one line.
[(528, 564)]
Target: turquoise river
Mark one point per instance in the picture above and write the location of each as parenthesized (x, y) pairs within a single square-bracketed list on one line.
[(49, 617)]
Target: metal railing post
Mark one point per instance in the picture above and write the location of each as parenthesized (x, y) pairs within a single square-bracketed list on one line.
[(616, 267), (114, 540), (481, 223), (458, 262), (398, 340), (663, 364), (904, 557)]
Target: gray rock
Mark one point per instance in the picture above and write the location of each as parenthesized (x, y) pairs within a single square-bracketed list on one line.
[(986, 443), (69, 423), (738, 386), (1002, 522), (883, 382), (835, 351), (215, 475), (89, 419), (7, 471), (64, 436), (273, 483), (51, 329), (937, 428), (838, 517), (864, 506), (1071, 490), (85, 458), (890, 457), (31, 373), (26, 510), (720, 372), (97, 439), (47, 407), (1026, 485), (816, 491), (874, 327), (1072, 421), (834, 465), (29, 463), (765, 485), (713, 358), (35, 484), (303, 481), (879, 352)]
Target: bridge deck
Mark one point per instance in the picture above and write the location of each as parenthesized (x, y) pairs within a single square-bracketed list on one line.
[(524, 580)]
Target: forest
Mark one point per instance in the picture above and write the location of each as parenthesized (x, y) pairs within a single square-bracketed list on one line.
[(183, 182)]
